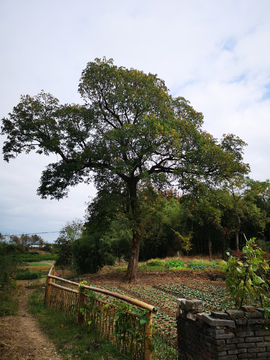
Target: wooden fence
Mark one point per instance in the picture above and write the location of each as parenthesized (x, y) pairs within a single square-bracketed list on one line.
[(130, 332)]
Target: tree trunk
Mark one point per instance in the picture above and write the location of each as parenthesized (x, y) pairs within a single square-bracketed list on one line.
[(239, 224), (238, 232), (134, 258), (210, 248), (136, 231), (237, 240)]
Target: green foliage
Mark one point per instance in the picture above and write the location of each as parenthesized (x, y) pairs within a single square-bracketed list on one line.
[(163, 349), (24, 241), (8, 283), (26, 274), (126, 332), (161, 211), (197, 266), (176, 264), (69, 234), (155, 262), (63, 250), (47, 248), (205, 264), (106, 235), (85, 252), (247, 276), (8, 264), (185, 241), (9, 300), (71, 339), (35, 257), (129, 132)]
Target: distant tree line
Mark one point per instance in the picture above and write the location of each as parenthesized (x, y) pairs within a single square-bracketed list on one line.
[(23, 242)]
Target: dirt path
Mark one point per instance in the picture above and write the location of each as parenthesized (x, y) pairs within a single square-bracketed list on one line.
[(21, 337)]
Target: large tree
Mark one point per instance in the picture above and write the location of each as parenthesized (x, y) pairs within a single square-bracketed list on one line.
[(129, 130)]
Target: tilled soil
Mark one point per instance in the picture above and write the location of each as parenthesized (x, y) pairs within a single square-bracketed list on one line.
[(154, 277), (151, 278)]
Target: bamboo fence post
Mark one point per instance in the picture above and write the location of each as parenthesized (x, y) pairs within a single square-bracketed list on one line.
[(80, 303), (48, 287), (47, 291), (56, 296), (53, 273), (148, 338)]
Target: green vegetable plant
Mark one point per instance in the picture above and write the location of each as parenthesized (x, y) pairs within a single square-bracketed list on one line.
[(175, 264), (129, 321), (246, 276)]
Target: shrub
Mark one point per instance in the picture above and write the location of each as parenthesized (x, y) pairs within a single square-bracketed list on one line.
[(155, 262), (110, 259), (25, 274), (246, 276)]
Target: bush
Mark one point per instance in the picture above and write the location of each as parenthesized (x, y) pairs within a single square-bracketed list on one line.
[(110, 259), (246, 276), (155, 262), (25, 274)]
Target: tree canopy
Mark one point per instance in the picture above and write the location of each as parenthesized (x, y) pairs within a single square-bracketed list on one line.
[(129, 130)]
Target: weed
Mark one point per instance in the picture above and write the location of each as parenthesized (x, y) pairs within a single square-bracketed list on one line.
[(163, 349), (71, 339), (9, 301)]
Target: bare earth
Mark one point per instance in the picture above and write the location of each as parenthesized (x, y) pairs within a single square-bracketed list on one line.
[(21, 338)]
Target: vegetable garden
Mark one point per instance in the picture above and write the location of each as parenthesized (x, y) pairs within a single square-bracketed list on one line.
[(163, 295)]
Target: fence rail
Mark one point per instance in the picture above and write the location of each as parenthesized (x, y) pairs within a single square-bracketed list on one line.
[(132, 333)]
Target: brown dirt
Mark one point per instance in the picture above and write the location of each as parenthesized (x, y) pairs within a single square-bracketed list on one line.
[(154, 277), (150, 278), (20, 336)]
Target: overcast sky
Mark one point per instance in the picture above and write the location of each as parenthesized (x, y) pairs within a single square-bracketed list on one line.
[(215, 53)]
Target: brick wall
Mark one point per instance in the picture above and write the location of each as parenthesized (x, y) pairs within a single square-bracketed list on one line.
[(230, 335)]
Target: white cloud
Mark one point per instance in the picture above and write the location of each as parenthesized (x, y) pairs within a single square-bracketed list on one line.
[(214, 53)]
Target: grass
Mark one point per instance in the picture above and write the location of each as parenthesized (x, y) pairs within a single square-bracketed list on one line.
[(75, 341), (163, 349), (35, 257), (192, 263), (9, 301), (72, 340), (44, 269), (39, 264)]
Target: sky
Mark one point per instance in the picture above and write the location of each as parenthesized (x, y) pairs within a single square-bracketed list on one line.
[(215, 53)]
